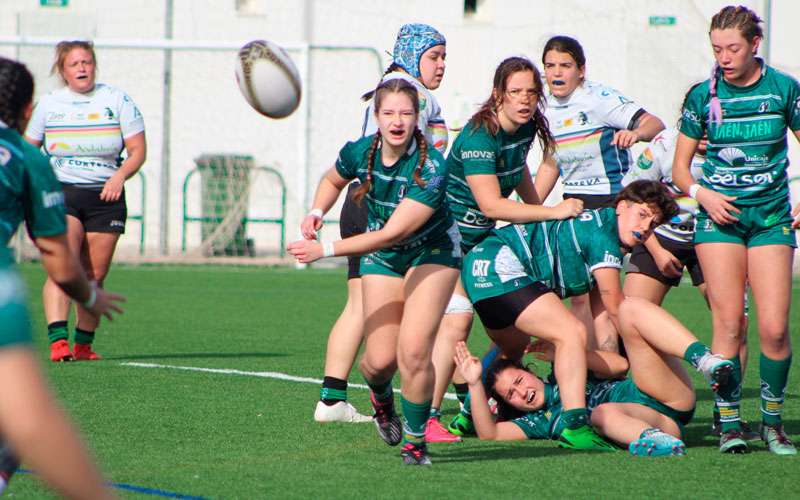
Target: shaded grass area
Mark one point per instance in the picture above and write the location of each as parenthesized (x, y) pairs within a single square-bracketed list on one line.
[(226, 436)]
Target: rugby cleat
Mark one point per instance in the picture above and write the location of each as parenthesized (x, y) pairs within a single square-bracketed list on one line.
[(776, 439), (386, 420), (436, 433), (748, 434), (733, 442), (462, 425), (8, 466), (716, 370), (341, 411), (84, 352), (657, 443), (583, 438), (415, 454), (59, 351)]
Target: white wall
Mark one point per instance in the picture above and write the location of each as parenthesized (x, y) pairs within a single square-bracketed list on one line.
[(652, 65)]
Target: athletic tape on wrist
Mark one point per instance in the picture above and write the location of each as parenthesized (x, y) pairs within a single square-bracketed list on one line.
[(693, 189), (92, 298), (316, 212), (327, 249)]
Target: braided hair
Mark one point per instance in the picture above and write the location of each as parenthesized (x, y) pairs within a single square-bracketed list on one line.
[(16, 93), (486, 116), (747, 22), (393, 86)]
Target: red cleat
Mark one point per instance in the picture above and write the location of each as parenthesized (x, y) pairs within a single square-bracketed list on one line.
[(84, 352), (59, 351)]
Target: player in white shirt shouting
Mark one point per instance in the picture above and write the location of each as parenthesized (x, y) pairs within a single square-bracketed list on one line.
[(594, 127)]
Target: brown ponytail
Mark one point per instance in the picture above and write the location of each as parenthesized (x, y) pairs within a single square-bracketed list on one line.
[(363, 189), (422, 144), (391, 69)]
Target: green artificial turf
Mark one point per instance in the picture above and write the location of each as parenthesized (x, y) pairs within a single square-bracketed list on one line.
[(219, 435)]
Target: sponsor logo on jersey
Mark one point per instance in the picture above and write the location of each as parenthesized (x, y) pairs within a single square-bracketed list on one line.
[(743, 131), (94, 116), (738, 180), (734, 157), (55, 116), (58, 145), (690, 115), (52, 199), (423, 103), (645, 160), (708, 226), (78, 116), (786, 230), (5, 156), (434, 183), (116, 223), (478, 155), (611, 259), (763, 107)]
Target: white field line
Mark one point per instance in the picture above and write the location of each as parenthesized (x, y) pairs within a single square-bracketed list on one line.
[(230, 371)]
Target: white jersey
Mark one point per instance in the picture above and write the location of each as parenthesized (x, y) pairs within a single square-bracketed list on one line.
[(83, 133), (655, 164), (430, 121), (583, 125)]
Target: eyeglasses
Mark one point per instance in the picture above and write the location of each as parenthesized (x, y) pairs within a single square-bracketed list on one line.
[(518, 94)]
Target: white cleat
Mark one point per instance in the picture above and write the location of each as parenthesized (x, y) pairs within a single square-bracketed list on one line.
[(339, 412)]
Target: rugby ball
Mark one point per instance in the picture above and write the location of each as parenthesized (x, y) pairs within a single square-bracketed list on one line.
[(268, 79)]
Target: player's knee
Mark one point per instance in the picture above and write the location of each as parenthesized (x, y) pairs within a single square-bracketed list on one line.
[(774, 336), (412, 360), (456, 327), (376, 367)]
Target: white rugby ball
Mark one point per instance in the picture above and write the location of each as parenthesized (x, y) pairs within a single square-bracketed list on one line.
[(268, 79)]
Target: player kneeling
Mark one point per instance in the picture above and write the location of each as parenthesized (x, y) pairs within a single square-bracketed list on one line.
[(646, 412)]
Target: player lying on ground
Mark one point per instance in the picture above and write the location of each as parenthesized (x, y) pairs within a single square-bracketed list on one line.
[(646, 412), (517, 277)]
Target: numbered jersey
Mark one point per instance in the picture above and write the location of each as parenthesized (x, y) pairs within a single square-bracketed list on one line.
[(563, 254), (29, 191), (477, 152), (430, 121), (584, 124), (747, 152), (390, 185), (84, 133), (655, 164)]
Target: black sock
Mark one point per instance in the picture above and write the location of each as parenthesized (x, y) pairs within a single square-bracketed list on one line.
[(333, 390)]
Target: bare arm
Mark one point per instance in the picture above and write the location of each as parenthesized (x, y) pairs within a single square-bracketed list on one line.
[(486, 190), (796, 210), (409, 216), (65, 270), (647, 127), (667, 263), (486, 427), (717, 205), (610, 290), (136, 146), (328, 190), (604, 364), (40, 431), (546, 177)]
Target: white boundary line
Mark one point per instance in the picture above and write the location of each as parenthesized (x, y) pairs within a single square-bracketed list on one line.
[(273, 375)]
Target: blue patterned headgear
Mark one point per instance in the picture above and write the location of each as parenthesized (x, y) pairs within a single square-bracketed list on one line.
[(412, 41)]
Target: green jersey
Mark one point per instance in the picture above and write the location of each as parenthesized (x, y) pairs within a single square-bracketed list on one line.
[(478, 152), (29, 191), (547, 424), (391, 184), (563, 254), (747, 152)]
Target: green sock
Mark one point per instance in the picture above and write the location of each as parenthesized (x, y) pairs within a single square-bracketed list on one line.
[(728, 399), (695, 352), (83, 336), (574, 418), (435, 413), (462, 391), (774, 375), (414, 417), (333, 390), (382, 391), (466, 406), (57, 330)]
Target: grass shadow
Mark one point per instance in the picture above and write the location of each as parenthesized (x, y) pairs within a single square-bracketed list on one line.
[(705, 394), (455, 453)]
